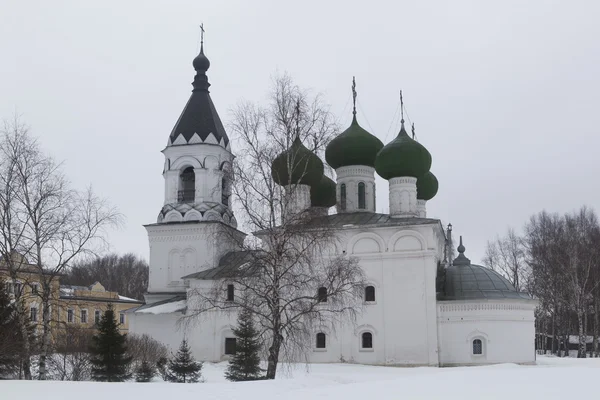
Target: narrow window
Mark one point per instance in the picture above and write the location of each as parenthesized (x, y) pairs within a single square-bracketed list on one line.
[(343, 196), (187, 186), (322, 295), (69, 316), (370, 293), (121, 318), (367, 340), (84, 316), (477, 347), (229, 346), (224, 194), (321, 340), (35, 288), (230, 292), (97, 316), (18, 289), (10, 288), (33, 314), (361, 196)]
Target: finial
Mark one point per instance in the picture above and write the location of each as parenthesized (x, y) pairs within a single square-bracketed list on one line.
[(413, 130), (202, 37), (461, 259), (354, 95), (297, 119), (401, 108), (461, 248), (450, 227)]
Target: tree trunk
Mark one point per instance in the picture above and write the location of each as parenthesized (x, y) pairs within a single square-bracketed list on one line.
[(553, 349), (581, 330), (26, 351), (42, 371), (596, 327), (273, 358)]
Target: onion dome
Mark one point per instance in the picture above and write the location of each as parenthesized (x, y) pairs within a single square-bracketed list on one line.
[(297, 165), (427, 186), (403, 156), (201, 62), (323, 194), (354, 146)]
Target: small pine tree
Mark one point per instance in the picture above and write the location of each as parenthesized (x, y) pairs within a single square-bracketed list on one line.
[(245, 363), (183, 368), (109, 360), (145, 372)]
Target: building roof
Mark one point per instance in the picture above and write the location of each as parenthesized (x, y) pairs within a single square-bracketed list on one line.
[(229, 265), (199, 122), (466, 281), (85, 293), (403, 156), (174, 304), (363, 219)]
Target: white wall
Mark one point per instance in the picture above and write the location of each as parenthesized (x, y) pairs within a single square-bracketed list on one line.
[(506, 328)]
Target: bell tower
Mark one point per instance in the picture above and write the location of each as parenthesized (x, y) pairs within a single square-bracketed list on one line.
[(197, 198)]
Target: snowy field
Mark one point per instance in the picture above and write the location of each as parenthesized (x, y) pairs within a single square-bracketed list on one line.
[(552, 378)]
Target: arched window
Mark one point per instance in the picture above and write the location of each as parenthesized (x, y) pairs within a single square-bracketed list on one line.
[(477, 347), (224, 193), (321, 340), (343, 196), (367, 340), (361, 196), (187, 186), (322, 295), (370, 293)]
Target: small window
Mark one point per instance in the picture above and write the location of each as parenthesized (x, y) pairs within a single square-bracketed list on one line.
[(367, 340), (229, 346), (370, 293), (343, 196), (230, 292), (69, 316), (10, 288), (361, 196), (35, 288), (224, 194), (84, 316), (477, 347), (322, 295), (321, 340), (18, 289), (121, 318), (97, 316), (33, 314)]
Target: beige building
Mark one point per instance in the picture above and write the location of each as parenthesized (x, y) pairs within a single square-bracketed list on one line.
[(70, 306)]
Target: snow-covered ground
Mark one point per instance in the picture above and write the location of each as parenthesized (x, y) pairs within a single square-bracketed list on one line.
[(552, 378)]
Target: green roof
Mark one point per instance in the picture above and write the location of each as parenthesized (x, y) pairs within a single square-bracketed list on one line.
[(354, 146), (427, 186), (323, 194), (297, 165), (403, 156)]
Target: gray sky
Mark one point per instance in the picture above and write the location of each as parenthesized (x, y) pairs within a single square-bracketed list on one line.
[(505, 95)]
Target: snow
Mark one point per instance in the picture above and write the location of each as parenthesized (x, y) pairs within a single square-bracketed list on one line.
[(164, 308), (349, 382), (127, 298)]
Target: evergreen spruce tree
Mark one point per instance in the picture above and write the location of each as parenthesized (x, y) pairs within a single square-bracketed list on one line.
[(145, 372), (10, 338), (109, 360), (183, 368), (245, 363)]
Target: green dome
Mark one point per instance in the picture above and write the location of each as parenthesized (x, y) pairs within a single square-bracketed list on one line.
[(427, 186), (403, 156), (297, 165), (354, 146), (323, 194)]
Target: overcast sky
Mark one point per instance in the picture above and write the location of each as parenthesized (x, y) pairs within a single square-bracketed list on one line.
[(504, 94)]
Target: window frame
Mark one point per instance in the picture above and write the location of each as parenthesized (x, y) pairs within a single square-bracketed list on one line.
[(362, 341), (122, 318), (230, 292), (367, 301), (33, 313), (227, 348), (343, 196), (97, 316), (83, 312), (481, 348), (70, 315), (35, 288), (322, 294), (362, 196), (321, 346)]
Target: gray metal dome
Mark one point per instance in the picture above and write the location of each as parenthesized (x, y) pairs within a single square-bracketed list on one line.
[(466, 281)]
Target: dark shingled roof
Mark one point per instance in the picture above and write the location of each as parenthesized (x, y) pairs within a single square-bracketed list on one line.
[(228, 266), (200, 115), (466, 281), (367, 218), (160, 303)]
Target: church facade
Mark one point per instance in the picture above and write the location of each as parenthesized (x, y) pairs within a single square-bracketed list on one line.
[(419, 308)]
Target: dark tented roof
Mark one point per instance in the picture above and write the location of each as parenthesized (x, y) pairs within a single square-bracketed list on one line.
[(228, 266)]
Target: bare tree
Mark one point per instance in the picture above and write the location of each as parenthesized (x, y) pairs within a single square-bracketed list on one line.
[(290, 274), (71, 358), (144, 348), (56, 223), (507, 256)]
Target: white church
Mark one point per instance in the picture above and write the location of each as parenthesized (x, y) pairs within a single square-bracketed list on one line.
[(420, 309)]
